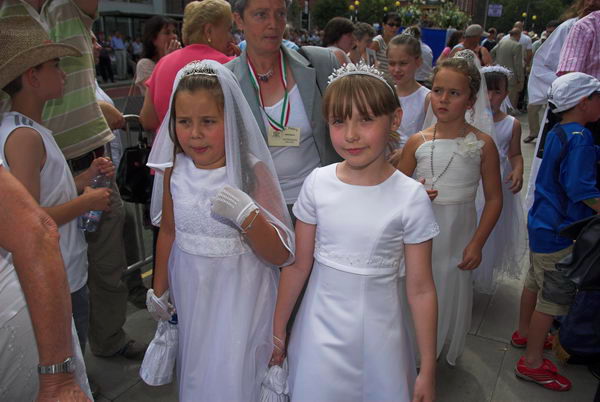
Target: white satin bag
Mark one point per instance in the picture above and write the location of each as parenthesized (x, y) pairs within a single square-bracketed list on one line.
[(275, 386), (159, 360)]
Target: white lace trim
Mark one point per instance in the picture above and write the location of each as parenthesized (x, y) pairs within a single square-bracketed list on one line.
[(199, 232)]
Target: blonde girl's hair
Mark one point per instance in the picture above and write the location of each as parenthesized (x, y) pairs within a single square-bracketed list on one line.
[(193, 83), (469, 70), (199, 13), (412, 44)]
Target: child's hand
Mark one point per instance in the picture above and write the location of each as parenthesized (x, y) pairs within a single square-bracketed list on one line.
[(97, 199), (278, 355), (471, 257), (233, 204), (103, 166), (516, 180), (424, 389), (431, 193)]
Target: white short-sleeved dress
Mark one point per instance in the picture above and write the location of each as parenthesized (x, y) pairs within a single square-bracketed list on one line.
[(350, 340)]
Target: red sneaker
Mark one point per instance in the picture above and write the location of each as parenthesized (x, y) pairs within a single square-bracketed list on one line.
[(519, 341), (546, 375)]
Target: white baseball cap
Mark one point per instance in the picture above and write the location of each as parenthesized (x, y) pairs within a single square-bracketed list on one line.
[(568, 90)]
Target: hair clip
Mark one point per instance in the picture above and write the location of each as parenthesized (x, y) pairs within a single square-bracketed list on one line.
[(497, 69), (198, 68), (358, 69)]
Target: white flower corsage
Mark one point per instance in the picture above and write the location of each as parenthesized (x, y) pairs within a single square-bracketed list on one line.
[(469, 146)]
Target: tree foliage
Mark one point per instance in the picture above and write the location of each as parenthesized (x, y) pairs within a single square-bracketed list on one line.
[(324, 10), (449, 15)]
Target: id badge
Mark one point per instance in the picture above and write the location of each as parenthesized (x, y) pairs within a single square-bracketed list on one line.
[(288, 137)]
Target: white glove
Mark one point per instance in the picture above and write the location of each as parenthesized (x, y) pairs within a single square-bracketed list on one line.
[(159, 307), (233, 204)]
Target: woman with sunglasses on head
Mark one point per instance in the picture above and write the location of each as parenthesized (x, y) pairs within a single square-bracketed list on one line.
[(391, 23)]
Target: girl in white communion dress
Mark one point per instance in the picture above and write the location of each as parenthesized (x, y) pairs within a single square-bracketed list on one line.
[(451, 157), (225, 229), (362, 227)]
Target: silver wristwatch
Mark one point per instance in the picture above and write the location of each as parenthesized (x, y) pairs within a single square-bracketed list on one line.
[(68, 366)]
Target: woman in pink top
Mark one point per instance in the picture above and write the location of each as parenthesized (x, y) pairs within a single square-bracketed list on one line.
[(206, 34), (455, 38)]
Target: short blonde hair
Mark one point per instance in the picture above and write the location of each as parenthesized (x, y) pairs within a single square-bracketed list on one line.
[(199, 13)]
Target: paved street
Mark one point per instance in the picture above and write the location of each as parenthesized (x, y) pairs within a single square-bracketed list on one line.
[(484, 373)]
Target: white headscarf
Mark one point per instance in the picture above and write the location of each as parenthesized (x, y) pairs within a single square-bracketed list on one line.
[(248, 161)]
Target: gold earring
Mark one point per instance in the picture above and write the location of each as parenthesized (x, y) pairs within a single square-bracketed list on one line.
[(209, 41)]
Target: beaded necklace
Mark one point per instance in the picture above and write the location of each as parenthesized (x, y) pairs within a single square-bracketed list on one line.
[(434, 178)]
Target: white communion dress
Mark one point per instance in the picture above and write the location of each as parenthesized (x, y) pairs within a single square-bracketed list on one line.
[(350, 340), (507, 244), (224, 295), (455, 212)]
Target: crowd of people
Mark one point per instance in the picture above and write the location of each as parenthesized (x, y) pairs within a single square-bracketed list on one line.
[(324, 204)]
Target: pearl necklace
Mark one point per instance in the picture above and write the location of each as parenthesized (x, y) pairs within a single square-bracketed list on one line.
[(434, 178)]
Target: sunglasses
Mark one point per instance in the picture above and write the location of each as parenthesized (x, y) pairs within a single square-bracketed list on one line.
[(393, 24)]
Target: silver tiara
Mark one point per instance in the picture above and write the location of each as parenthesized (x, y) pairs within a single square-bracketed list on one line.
[(361, 68), (466, 54), (497, 69), (198, 68)]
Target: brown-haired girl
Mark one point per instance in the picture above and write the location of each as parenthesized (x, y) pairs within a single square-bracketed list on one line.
[(450, 158), (365, 230), (224, 231), (404, 59)]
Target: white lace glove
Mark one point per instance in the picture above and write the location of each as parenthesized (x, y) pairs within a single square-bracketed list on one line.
[(233, 204), (159, 307)]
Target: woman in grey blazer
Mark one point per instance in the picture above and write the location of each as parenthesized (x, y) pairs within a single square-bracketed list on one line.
[(284, 90)]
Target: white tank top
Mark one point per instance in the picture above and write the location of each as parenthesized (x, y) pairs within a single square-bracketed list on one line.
[(413, 113), (294, 164), (56, 187)]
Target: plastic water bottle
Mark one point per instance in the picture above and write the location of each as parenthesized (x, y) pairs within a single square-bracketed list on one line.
[(90, 220)]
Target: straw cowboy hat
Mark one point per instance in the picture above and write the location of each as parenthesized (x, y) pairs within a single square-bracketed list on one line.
[(25, 44)]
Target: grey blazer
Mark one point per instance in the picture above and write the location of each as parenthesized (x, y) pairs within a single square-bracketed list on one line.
[(311, 73)]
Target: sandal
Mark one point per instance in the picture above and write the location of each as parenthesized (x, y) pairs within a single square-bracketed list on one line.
[(529, 138)]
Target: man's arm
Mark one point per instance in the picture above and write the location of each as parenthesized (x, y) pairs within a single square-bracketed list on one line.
[(32, 238)]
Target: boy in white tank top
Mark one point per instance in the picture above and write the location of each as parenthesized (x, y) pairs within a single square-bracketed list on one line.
[(31, 76)]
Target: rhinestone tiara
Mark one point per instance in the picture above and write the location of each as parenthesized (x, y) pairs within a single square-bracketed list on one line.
[(497, 69), (198, 68), (358, 69), (466, 54)]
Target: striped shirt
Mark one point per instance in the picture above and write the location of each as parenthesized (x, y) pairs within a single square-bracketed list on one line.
[(581, 50), (381, 54), (75, 119)]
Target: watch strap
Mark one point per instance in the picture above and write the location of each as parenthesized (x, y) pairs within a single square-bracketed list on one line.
[(68, 366)]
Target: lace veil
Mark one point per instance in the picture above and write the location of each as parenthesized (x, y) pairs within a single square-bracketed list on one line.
[(481, 117), (249, 164)]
